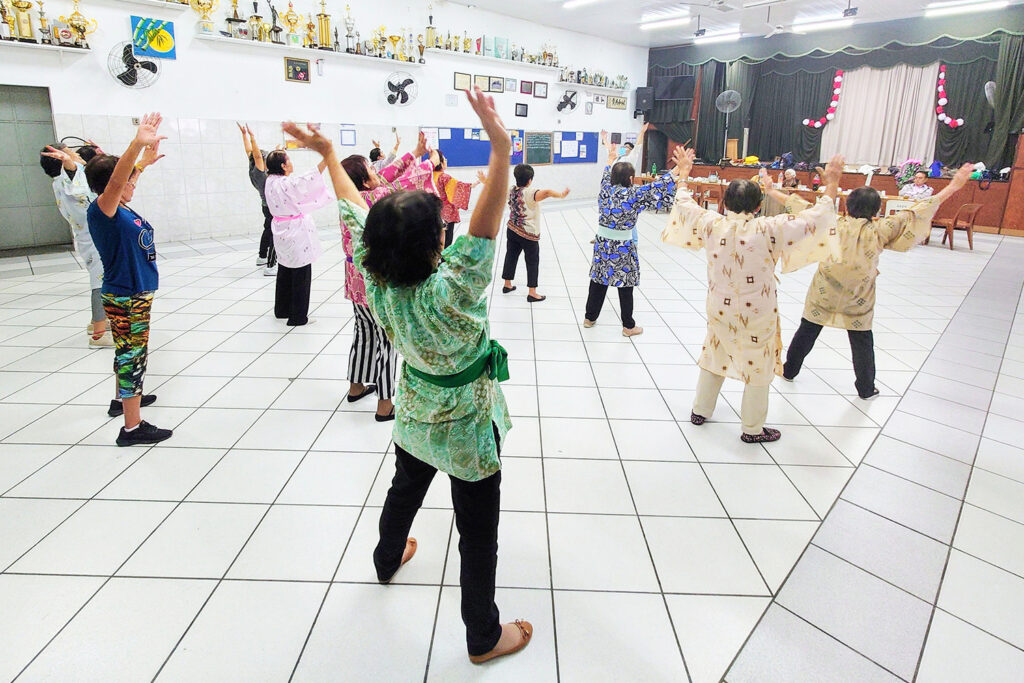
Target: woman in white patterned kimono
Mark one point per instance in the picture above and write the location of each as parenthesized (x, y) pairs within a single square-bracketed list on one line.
[(843, 294), (743, 340)]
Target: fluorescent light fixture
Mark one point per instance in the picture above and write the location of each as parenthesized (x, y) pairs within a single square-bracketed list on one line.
[(573, 4), (822, 25), (716, 38), (666, 23), (945, 11)]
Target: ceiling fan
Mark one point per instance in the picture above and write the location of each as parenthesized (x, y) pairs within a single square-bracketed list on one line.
[(779, 27), (720, 5)]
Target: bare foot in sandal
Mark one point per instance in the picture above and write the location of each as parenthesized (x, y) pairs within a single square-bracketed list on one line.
[(514, 637), (410, 550)]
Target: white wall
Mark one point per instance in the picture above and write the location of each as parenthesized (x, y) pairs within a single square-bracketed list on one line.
[(201, 188)]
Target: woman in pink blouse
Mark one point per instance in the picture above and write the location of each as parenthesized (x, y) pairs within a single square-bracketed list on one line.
[(372, 361), (454, 196)]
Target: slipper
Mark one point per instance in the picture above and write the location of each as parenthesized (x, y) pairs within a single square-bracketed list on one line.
[(366, 392), (697, 419), (535, 299), (873, 395), (525, 633), (506, 290), (588, 323), (767, 435), (410, 544)]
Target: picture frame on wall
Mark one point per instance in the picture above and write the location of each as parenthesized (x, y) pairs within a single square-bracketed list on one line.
[(510, 85), (296, 70), (463, 81), (522, 110), (616, 102), (540, 89), (599, 99), (482, 82), (525, 87), (497, 84), (589, 109)]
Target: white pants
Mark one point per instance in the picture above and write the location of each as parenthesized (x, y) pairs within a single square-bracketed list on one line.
[(753, 411)]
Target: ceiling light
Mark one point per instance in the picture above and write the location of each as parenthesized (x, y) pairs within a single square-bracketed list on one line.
[(716, 38), (573, 4), (947, 9), (665, 23), (822, 25)]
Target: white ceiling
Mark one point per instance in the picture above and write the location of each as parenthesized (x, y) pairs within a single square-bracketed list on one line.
[(619, 19)]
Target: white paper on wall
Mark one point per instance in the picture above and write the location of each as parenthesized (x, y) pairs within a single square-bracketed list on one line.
[(579, 137), (444, 134), (570, 149), (583, 151), (432, 135)]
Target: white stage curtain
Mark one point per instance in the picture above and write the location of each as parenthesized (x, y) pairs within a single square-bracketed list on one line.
[(884, 117)]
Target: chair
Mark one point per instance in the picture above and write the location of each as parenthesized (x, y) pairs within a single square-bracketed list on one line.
[(717, 195), (965, 218)]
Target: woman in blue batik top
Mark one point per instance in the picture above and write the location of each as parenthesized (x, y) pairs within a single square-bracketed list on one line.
[(615, 256)]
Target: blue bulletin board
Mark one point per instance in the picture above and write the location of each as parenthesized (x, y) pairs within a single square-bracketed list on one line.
[(581, 147), (469, 147)]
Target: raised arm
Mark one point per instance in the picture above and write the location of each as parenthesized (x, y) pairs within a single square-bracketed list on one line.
[(548, 194), (257, 154), (486, 219), (244, 130), (313, 139), (963, 174), (145, 135), (832, 173)]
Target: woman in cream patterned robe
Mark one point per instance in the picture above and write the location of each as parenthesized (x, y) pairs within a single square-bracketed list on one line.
[(743, 340)]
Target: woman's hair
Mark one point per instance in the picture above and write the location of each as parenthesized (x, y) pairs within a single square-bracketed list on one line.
[(275, 162), (790, 173), (403, 238), (51, 166), (622, 174), (98, 171), (358, 172), (863, 202), (87, 152), (375, 154), (523, 174), (440, 160), (743, 196)]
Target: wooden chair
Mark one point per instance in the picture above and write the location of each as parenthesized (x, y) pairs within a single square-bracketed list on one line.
[(965, 218), (715, 193)]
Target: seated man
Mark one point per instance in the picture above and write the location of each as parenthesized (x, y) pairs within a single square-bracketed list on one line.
[(917, 189)]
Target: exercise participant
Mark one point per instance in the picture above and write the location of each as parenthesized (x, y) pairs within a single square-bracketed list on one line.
[(524, 230)]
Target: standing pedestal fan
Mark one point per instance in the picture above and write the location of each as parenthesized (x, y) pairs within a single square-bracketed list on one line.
[(727, 102)]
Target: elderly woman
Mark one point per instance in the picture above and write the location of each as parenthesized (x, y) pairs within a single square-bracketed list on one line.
[(788, 178)]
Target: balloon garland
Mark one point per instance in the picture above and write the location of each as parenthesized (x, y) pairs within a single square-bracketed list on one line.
[(837, 86), (943, 100)]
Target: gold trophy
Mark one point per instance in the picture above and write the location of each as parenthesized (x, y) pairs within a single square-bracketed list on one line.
[(323, 23), (44, 30), (394, 40), (22, 28), (432, 37), (256, 24), (310, 39), (205, 24), (79, 25), (467, 43), (235, 23), (421, 46), (292, 22), (6, 22)]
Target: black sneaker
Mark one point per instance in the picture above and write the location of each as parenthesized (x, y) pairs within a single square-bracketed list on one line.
[(144, 434), (116, 409)]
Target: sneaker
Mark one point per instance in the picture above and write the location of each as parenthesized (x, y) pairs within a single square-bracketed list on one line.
[(767, 435), (261, 262), (88, 329), (588, 323), (632, 331), (106, 340), (144, 434), (270, 272), (116, 408)]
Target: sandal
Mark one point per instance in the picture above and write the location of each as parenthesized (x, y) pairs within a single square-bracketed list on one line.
[(366, 392), (525, 633), (767, 435), (697, 419), (385, 418), (410, 545)]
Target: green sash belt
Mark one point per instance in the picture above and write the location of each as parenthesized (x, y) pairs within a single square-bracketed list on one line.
[(611, 234), (493, 361)]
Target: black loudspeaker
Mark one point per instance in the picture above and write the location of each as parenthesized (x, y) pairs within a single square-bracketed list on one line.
[(645, 99)]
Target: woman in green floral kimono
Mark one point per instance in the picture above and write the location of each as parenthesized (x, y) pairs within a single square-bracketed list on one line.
[(450, 414)]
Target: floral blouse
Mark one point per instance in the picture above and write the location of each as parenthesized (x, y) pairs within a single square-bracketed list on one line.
[(454, 196), (403, 174), (440, 327)]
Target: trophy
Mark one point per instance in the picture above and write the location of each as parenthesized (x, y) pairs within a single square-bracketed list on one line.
[(44, 31), (205, 24), (256, 23), (323, 22), (432, 37), (448, 42), (275, 29), (466, 42), (310, 39), (292, 22), (350, 37), (410, 48), (81, 26), (421, 47), (394, 40), (21, 29), (234, 21), (6, 23)]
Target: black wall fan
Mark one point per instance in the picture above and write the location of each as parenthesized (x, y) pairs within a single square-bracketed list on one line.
[(130, 71)]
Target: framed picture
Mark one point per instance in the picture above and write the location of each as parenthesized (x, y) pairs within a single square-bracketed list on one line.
[(522, 109), (526, 87), (497, 84), (463, 81), (482, 82), (589, 108), (599, 99), (540, 89), (152, 38), (296, 70), (616, 102), (510, 85)]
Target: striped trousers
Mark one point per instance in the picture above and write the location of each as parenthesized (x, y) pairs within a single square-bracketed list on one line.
[(373, 359)]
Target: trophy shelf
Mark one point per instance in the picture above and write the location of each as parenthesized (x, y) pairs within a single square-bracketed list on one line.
[(156, 3), (496, 60), (59, 49), (592, 88), (302, 51)]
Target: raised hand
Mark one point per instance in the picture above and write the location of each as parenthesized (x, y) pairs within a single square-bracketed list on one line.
[(481, 177), (147, 132), (242, 129), (483, 105), (421, 145), (833, 170), (62, 154), (683, 159), (150, 155), (604, 138), (962, 175), (375, 143), (398, 141), (435, 158), (311, 138), (613, 153)]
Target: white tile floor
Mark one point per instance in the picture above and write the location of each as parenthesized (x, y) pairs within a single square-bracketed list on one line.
[(641, 547)]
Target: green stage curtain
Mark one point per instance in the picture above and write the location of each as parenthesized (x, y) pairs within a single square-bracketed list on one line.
[(780, 104), (673, 111), (965, 84), (1009, 114), (742, 78), (711, 122)]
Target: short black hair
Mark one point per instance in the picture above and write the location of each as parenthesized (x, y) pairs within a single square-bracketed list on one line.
[(622, 174), (403, 238), (51, 166), (630, 145), (922, 172), (440, 160), (355, 167), (743, 196), (275, 162), (98, 171), (864, 202), (87, 152), (375, 154), (523, 174)]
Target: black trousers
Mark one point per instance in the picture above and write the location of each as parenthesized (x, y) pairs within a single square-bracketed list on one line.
[(531, 252), (595, 301), (476, 506), (267, 240), (449, 234), (862, 345), (291, 299)]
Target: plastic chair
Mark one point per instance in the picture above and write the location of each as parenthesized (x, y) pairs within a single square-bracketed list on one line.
[(965, 218)]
